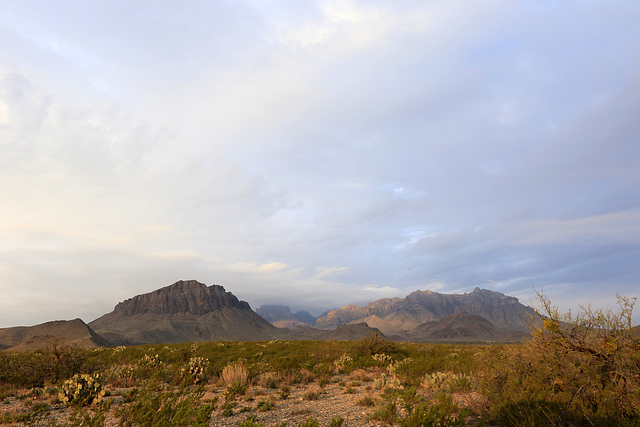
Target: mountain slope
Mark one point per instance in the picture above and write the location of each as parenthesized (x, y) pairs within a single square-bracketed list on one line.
[(395, 315), (460, 327), (72, 333), (184, 312)]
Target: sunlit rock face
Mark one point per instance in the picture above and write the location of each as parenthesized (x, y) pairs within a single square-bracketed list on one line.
[(396, 315)]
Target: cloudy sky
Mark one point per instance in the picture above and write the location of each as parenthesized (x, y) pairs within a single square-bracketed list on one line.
[(317, 153)]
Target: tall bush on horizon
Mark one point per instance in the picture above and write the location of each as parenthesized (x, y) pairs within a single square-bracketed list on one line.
[(582, 369)]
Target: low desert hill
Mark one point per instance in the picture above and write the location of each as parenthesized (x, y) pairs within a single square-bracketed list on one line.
[(72, 333), (282, 317), (459, 327), (393, 316)]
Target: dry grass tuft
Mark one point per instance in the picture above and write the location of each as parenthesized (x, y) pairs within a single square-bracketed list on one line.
[(360, 375), (234, 373)]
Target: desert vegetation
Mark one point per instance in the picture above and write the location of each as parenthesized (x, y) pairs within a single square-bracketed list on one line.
[(575, 370)]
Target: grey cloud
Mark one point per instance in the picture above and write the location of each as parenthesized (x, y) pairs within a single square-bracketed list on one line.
[(409, 145)]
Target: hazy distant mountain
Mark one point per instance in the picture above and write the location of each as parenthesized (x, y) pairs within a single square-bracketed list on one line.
[(281, 316), (459, 327), (393, 316), (187, 311), (72, 333)]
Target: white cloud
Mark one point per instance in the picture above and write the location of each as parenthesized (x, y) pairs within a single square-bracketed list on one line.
[(4, 114), (324, 152)]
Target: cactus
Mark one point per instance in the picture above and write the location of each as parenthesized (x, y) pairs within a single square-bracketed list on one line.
[(83, 389), (195, 369)]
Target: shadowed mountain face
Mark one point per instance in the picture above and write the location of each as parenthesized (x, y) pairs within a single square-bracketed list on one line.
[(459, 327), (183, 312), (72, 333), (396, 315), (187, 296), (281, 316)]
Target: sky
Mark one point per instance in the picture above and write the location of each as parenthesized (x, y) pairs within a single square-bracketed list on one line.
[(317, 153)]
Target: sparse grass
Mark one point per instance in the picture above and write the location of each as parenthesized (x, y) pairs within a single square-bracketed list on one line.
[(264, 406), (284, 393), (311, 395), (310, 422), (367, 401)]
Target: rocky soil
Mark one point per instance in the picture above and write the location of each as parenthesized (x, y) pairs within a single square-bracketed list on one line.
[(342, 397)]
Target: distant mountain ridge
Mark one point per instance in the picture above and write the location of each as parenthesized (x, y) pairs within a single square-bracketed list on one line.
[(190, 311), (396, 315), (281, 316)]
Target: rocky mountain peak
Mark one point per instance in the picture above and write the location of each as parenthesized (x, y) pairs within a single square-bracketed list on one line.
[(184, 296), (392, 315)]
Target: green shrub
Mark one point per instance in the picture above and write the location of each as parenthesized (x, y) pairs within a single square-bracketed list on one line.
[(284, 393), (336, 422), (174, 408), (311, 395), (37, 412), (49, 365), (264, 405), (250, 422), (388, 413), (310, 422), (234, 390), (442, 413), (376, 344), (367, 401), (447, 382)]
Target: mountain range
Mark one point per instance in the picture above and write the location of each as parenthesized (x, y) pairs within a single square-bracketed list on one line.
[(394, 316), (190, 311)]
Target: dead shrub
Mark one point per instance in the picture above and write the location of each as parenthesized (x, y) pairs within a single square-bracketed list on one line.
[(270, 380), (360, 375), (305, 376)]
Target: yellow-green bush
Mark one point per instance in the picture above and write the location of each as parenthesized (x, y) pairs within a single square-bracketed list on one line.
[(446, 382), (575, 370)]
